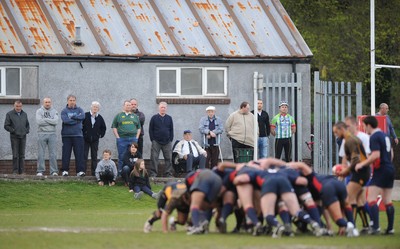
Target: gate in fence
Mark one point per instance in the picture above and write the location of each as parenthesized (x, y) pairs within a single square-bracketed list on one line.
[(288, 87), (333, 101)]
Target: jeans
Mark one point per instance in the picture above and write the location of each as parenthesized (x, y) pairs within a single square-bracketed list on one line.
[(18, 145), (263, 143), (49, 141), (155, 152), (94, 147), (194, 161), (122, 146), (125, 172), (69, 144), (145, 189)]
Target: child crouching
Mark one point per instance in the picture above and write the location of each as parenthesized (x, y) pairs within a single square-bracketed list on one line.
[(106, 171), (139, 181)]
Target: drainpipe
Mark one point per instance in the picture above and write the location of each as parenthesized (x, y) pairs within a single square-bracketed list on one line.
[(255, 127)]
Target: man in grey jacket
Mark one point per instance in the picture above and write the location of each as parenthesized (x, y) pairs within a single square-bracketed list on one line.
[(47, 120), (18, 125)]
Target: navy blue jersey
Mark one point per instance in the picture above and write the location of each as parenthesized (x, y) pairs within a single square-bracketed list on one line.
[(379, 141), (291, 174)]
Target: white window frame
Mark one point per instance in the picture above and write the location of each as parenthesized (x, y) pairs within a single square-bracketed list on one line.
[(3, 90), (204, 81)]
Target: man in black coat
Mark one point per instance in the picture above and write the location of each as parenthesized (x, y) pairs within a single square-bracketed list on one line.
[(94, 128), (18, 125)]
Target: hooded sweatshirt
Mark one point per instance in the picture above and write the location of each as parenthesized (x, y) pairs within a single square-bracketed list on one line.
[(47, 120), (72, 121)]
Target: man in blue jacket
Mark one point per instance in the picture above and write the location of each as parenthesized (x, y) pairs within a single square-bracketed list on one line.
[(72, 136)]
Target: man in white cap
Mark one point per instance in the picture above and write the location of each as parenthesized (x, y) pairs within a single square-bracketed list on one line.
[(283, 128), (211, 127)]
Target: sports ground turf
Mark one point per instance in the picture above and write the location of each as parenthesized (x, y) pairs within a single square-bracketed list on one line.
[(83, 215)]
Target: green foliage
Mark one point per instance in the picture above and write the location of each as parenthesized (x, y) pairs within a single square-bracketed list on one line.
[(338, 34), (84, 215)]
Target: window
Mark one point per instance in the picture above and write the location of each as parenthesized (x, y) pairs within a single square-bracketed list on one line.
[(191, 81), (10, 81)]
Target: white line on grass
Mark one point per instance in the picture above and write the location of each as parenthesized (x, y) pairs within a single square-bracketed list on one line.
[(66, 230)]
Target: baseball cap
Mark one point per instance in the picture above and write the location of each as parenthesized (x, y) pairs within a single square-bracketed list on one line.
[(210, 108), (187, 131), (283, 102)]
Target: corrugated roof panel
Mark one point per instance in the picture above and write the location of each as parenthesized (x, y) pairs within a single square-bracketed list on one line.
[(288, 28), (148, 27), (110, 27), (10, 43), (185, 27), (67, 16), (222, 28), (35, 27), (259, 28)]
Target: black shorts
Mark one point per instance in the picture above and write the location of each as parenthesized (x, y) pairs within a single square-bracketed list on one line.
[(362, 176), (332, 191), (209, 183), (277, 184), (300, 190)]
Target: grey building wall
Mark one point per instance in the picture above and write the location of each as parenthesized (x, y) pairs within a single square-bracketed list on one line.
[(111, 83)]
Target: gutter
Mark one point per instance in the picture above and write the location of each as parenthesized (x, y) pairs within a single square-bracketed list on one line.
[(63, 58)]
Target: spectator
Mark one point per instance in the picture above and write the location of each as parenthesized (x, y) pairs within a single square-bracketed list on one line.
[(190, 151), (47, 120), (263, 130), (240, 129), (161, 130), (211, 128), (106, 170), (17, 125), (383, 110), (142, 118), (72, 136), (139, 181), (130, 157), (126, 128), (283, 128), (94, 128)]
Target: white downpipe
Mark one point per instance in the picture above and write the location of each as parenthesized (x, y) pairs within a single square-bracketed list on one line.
[(255, 126), (372, 56)]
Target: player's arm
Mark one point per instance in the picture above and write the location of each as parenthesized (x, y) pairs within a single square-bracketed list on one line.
[(371, 158)]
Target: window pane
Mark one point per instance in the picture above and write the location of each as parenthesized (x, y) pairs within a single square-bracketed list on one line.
[(167, 81), (215, 81), (1, 90), (12, 81), (191, 81)]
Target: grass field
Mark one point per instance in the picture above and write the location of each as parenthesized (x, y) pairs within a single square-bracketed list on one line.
[(84, 215)]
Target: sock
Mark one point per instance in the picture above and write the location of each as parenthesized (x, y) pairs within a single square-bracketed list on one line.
[(304, 216), (354, 211), (363, 216), (349, 214), (239, 218), (226, 210), (390, 216), (374, 214), (195, 217), (271, 221), (252, 214), (207, 215), (314, 214), (341, 222), (285, 216)]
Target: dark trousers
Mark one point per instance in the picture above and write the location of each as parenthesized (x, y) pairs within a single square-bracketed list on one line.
[(94, 147), (140, 145), (237, 145), (192, 161), (126, 171), (212, 156), (283, 143), (75, 144), (107, 177), (18, 145)]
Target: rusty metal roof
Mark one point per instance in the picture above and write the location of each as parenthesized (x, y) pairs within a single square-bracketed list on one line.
[(190, 28)]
